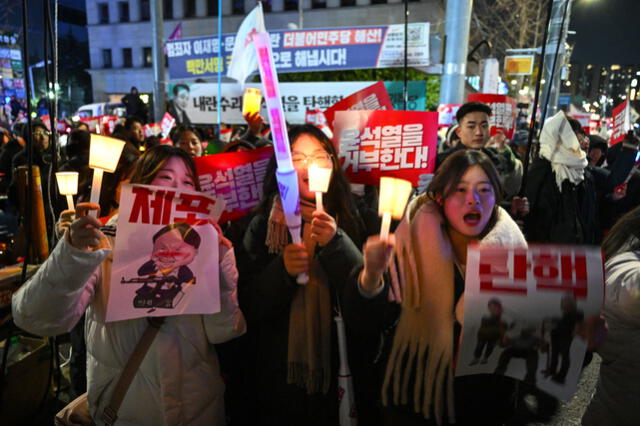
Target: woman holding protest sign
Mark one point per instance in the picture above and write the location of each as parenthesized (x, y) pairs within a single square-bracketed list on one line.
[(617, 394), (188, 139), (296, 346), (459, 208), (178, 379)]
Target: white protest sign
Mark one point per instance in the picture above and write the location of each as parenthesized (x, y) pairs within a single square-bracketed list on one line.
[(165, 259), (525, 313)]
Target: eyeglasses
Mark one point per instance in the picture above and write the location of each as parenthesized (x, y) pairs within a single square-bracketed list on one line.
[(40, 133), (322, 159)]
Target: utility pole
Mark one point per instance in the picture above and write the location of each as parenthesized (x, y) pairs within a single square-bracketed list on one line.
[(560, 13), (157, 27), (456, 28)]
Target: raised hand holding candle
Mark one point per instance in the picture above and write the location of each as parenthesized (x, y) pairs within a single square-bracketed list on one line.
[(68, 186), (394, 194), (104, 154), (319, 179), (251, 100)]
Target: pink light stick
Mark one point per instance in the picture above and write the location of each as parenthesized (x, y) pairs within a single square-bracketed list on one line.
[(285, 174)]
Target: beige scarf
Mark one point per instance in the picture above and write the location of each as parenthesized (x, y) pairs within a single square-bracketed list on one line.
[(423, 282), (309, 351)]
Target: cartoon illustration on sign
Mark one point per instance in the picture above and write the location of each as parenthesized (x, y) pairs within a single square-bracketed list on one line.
[(165, 276)]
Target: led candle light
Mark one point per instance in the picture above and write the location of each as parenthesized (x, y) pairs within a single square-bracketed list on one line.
[(394, 194), (68, 186), (103, 157), (285, 174), (319, 178), (251, 100)]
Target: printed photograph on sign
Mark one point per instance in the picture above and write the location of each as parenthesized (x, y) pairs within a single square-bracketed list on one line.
[(372, 144), (526, 313), (165, 260)]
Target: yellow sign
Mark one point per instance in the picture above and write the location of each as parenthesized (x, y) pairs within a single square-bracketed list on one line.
[(518, 65)]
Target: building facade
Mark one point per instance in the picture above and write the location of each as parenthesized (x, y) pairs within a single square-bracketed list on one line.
[(120, 34)]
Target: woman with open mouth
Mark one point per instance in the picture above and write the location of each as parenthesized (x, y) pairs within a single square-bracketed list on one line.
[(460, 207)]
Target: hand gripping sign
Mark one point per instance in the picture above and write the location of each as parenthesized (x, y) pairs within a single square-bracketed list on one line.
[(285, 174), (165, 260)]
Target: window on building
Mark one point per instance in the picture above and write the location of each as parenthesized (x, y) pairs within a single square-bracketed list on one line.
[(167, 11), (378, 1), (103, 13), (189, 8), (123, 9), (106, 58), (145, 11), (147, 58), (347, 3), (238, 7), (290, 4), (212, 8), (127, 58), (318, 4)]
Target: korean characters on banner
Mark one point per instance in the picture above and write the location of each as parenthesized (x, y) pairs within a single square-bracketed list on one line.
[(504, 112), (372, 144), (372, 98), (525, 313), (236, 178), (619, 123), (165, 260)]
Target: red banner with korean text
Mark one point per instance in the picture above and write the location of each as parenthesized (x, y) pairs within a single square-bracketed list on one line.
[(584, 118), (372, 144), (526, 312), (372, 98), (504, 110), (236, 178), (619, 123)]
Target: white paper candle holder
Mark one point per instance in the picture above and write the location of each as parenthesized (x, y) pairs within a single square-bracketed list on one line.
[(104, 155), (68, 186), (394, 194), (319, 179)]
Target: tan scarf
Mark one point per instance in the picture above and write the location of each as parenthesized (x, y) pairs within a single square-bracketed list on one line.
[(309, 352), (423, 282)]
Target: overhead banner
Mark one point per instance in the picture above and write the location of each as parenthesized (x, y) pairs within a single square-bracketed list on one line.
[(165, 260), (321, 49), (504, 112), (198, 103), (371, 98), (372, 144), (526, 313), (236, 178)]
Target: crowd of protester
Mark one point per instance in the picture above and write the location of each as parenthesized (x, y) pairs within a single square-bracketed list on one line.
[(270, 356)]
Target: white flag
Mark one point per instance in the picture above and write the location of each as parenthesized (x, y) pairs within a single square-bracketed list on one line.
[(244, 60)]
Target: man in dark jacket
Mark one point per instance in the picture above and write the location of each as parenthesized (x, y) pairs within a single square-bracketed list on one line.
[(135, 106)]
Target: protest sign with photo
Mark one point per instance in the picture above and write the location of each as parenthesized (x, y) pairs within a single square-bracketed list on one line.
[(236, 178), (525, 313), (371, 98), (372, 144), (504, 112), (620, 123), (165, 260), (317, 49)]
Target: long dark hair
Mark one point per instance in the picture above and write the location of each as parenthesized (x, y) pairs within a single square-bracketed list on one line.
[(624, 236), (338, 200), (450, 173), (154, 160)]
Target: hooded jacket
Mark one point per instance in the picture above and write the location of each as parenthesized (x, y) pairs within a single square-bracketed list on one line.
[(178, 381)]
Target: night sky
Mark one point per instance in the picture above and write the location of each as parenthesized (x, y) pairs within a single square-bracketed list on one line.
[(607, 31)]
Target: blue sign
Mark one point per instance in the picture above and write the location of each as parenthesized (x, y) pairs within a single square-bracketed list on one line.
[(323, 49)]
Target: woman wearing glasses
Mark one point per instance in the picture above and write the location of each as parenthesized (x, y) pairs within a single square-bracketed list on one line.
[(296, 356)]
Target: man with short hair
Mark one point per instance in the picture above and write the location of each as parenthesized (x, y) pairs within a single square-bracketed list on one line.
[(135, 133), (473, 131)]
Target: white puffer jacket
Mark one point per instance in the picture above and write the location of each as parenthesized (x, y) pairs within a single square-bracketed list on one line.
[(178, 382)]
